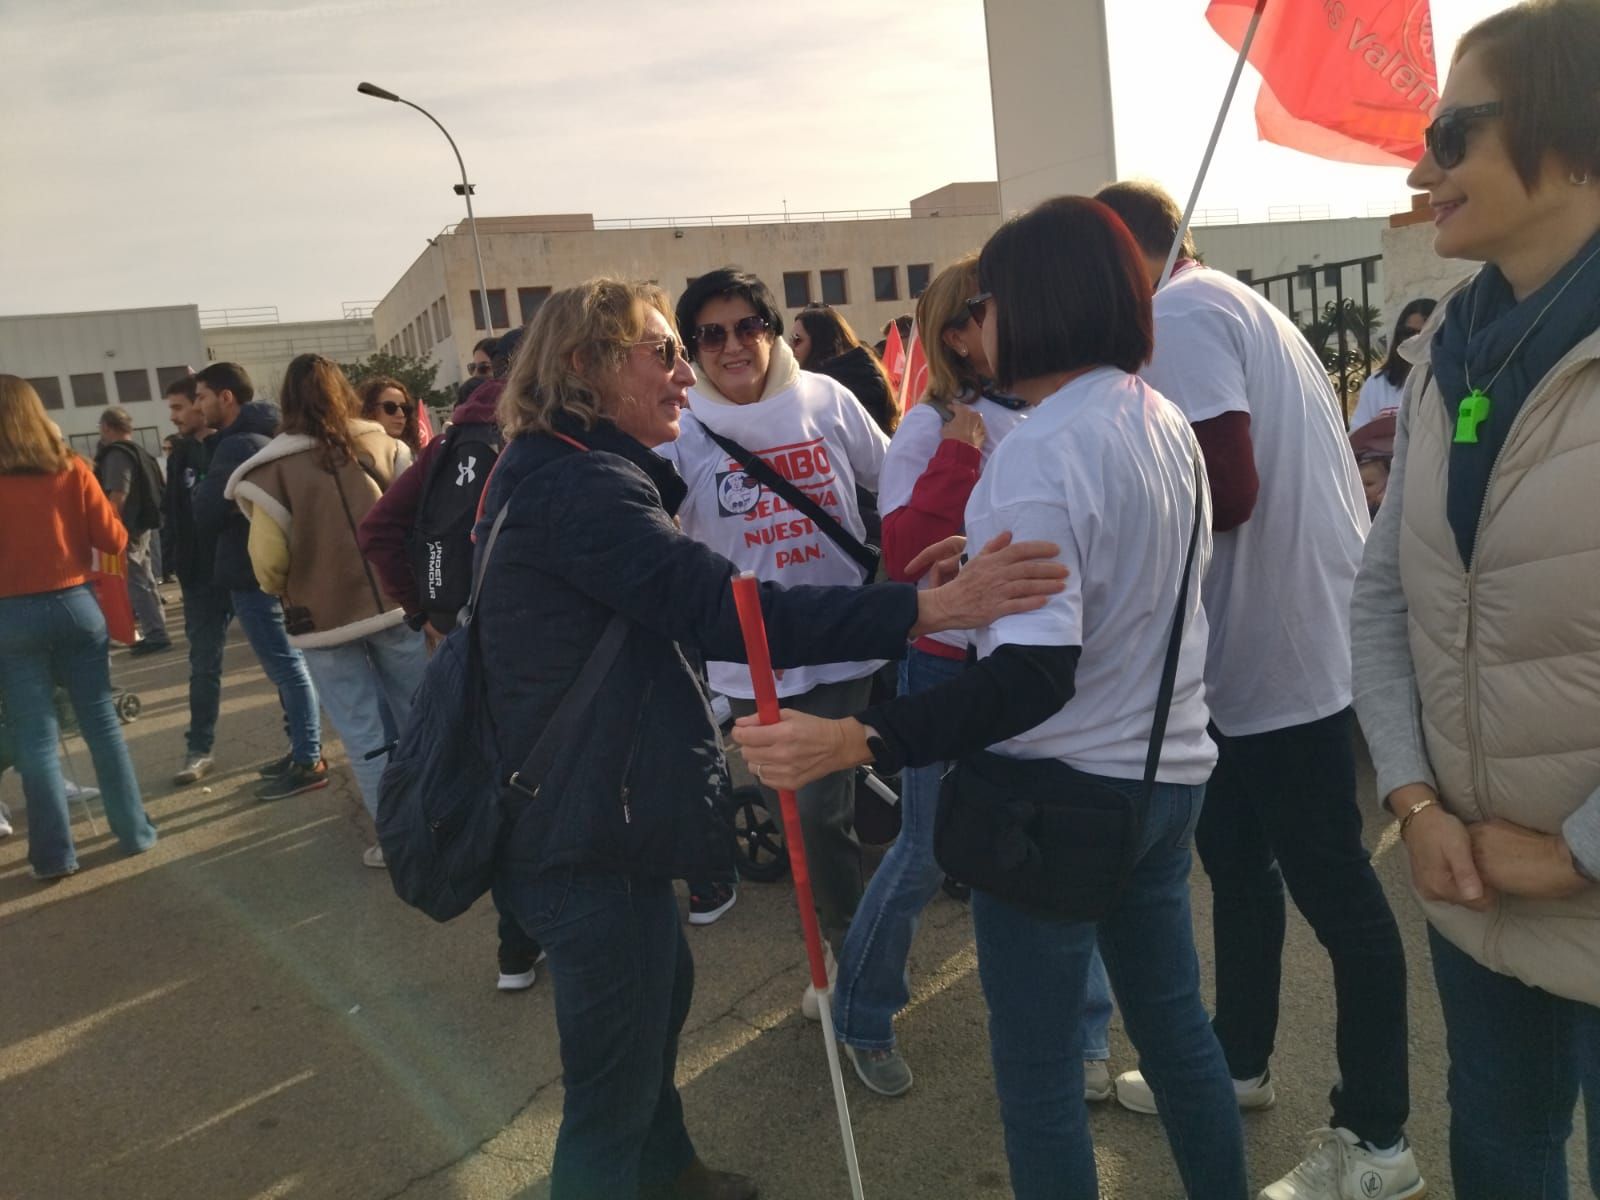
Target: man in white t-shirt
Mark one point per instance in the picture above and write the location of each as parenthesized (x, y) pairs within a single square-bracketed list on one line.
[(814, 434), (1290, 522)]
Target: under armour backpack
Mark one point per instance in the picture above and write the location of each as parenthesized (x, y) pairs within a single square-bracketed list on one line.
[(441, 534)]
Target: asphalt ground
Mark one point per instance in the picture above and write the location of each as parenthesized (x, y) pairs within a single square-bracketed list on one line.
[(247, 1013)]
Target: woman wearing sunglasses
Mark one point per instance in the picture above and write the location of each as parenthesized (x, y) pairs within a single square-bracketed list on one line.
[(1476, 645), (630, 801), (751, 394), (387, 402), (1109, 470)]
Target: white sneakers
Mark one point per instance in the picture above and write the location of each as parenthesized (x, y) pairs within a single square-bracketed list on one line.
[(195, 768), (1339, 1167), (372, 856), (1134, 1094), (810, 1007), (1097, 1085), (5, 823)]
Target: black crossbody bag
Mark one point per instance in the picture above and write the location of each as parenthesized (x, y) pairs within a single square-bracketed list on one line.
[(1045, 836), (866, 557)]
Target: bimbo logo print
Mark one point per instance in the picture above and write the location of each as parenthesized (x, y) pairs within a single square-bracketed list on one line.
[(771, 520), (737, 493)]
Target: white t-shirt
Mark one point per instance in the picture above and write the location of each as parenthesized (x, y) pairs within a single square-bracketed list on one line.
[(1278, 591), (912, 448), (1106, 468), (816, 435), (1378, 397)]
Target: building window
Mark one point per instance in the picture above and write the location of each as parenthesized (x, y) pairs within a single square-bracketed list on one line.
[(835, 289), (444, 316), (1246, 275), (497, 308), (408, 340), (438, 329), (49, 389), (89, 391), (167, 376), (424, 333), (1330, 277), (918, 276), (529, 300), (797, 288), (133, 387), (885, 283), (1369, 271)]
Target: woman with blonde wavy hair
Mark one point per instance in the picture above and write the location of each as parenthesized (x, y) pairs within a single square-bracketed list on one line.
[(584, 550), (51, 627)]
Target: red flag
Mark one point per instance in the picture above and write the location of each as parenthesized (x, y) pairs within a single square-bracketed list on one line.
[(110, 576), (1352, 80), (425, 433), (894, 355), (916, 376)]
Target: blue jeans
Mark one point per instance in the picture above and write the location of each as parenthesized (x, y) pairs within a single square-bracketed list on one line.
[(874, 980), (52, 636), (354, 681), (1034, 972), (262, 619), (623, 980), (1519, 1056), (206, 613)]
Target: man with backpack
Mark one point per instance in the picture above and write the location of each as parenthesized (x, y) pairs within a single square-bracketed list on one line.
[(418, 538), (132, 482)]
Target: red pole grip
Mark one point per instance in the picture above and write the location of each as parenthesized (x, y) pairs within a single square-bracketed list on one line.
[(747, 599)]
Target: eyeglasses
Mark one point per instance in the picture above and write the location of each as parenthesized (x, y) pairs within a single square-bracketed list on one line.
[(481, 369), (667, 351), (978, 306), (714, 337), (959, 321), (394, 410), (1446, 138)]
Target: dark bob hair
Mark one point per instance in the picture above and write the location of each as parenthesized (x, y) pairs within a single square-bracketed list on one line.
[(1070, 290), (1544, 56), (725, 283)]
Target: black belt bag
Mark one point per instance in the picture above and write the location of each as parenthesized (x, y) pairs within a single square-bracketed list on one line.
[(1042, 835)]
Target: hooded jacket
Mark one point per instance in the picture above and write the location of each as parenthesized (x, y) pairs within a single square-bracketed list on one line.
[(385, 530), (217, 520), (303, 522), (193, 560), (858, 371)]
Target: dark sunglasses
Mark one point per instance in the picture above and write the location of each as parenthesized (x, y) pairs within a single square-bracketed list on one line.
[(978, 306), (714, 337), (394, 410), (481, 369), (666, 352), (1446, 138)]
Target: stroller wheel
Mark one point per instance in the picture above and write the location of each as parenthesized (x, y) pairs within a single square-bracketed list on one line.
[(128, 706), (762, 857)]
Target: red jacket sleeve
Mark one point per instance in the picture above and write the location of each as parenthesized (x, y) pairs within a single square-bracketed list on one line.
[(107, 533), (1230, 468), (936, 509), (384, 529)]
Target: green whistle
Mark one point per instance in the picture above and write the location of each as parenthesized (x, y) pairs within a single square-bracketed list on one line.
[(1474, 411)]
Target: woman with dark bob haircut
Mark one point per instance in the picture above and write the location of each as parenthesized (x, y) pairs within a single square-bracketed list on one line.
[(1477, 647), (588, 544), (1108, 469)]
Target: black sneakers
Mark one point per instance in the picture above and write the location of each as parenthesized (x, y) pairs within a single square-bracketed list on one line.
[(710, 901), (300, 777), (277, 767)]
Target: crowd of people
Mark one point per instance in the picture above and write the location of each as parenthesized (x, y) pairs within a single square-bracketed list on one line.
[(1185, 577)]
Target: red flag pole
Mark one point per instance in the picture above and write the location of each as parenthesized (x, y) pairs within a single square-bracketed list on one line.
[(747, 599), (1211, 147)]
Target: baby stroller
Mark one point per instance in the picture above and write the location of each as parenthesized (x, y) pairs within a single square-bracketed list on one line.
[(759, 831)]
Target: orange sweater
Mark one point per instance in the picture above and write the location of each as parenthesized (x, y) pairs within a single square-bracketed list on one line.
[(49, 525)]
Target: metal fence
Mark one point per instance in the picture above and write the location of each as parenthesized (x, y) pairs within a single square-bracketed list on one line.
[(262, 314)]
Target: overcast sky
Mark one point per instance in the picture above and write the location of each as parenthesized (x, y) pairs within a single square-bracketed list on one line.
[(216, 152)]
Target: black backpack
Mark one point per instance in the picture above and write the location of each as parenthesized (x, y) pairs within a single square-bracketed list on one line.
[(142, 511), (441, 534)]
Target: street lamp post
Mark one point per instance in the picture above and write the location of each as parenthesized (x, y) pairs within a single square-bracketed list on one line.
[(372, 89)]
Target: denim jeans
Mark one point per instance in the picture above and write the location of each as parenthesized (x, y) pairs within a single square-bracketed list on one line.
[(874, 980), (50, 636), (206, 614), (827, 812), (623, 980), (354, 680), (1281, 809), (261, 616), (1519, 1057), (1034, 972), (142, 594)]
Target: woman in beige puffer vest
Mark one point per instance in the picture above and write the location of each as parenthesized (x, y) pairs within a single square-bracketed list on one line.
[(1475, 620)]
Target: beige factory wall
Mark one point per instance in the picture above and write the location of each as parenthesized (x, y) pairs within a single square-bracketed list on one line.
[(264, 351)]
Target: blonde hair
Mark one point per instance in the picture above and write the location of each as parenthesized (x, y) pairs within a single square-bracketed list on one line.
[(578, 338), (30, 443), (944, 300)]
